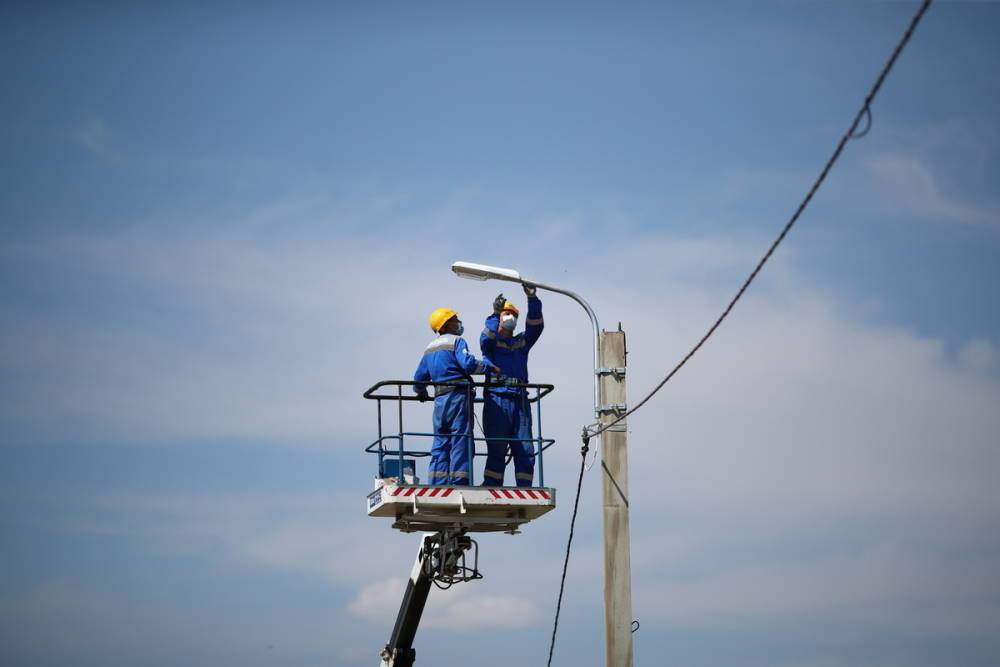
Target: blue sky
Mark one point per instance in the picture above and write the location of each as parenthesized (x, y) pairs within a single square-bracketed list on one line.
[(221, 224)]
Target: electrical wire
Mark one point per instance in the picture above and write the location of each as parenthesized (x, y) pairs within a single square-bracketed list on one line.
[(476, 417), (588, 466), (850, 134), (569, 545), (588, 433)]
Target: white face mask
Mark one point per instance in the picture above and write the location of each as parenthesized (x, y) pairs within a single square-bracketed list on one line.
[(508, 322)]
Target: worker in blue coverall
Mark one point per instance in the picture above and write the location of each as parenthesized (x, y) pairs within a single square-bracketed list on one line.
[(448, 359), (506, 411)]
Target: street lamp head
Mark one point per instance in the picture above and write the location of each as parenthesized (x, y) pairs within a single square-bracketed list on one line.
[(484, 272)]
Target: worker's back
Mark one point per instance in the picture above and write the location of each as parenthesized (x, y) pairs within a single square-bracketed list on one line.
[(447, 358)]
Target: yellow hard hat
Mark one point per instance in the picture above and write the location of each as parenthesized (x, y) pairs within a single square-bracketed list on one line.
[(511, 307), (438, 318)]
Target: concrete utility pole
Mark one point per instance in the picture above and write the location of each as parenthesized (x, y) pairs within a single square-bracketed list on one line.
[(614, 487)]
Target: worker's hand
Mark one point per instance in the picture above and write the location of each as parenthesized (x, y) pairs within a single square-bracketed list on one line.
[(423, 397), (496, 371), (498, 303), (529, 289)]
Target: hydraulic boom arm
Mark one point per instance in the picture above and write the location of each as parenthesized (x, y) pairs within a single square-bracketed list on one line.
[(441, 558)]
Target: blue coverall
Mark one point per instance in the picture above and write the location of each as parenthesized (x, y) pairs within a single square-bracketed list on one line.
[(506, 411), (447, 358)]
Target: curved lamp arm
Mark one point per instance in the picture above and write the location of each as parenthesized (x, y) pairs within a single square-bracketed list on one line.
[(485, 272)]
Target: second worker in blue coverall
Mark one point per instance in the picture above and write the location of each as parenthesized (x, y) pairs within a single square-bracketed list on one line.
[(447, 359), (506, 411)]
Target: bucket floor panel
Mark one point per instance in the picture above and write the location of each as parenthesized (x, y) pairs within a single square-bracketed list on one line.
[(476, 508)]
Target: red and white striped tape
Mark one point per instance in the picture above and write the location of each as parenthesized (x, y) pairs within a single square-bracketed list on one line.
[(432, 491), (412, 490), (520, 493)]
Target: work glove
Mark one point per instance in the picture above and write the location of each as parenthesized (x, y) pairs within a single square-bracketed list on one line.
[(423, 397), (529, 290), (498, 303)]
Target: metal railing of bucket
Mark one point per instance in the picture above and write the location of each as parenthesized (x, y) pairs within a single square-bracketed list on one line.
[(392, 391)]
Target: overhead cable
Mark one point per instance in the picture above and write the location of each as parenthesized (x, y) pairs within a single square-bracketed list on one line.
[(852, 133), (569, 544)]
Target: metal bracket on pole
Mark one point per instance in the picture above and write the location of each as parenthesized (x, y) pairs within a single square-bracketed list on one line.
[(618, 373), (617, 408)]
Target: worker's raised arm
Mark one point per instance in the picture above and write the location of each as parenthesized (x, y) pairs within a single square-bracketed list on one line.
[(488, 338), (535, 323)]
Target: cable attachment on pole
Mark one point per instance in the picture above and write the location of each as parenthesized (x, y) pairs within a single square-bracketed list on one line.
[(588, 433), (585, 437)]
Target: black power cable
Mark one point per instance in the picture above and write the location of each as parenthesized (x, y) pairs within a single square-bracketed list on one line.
[(569, 544), (851, 133)]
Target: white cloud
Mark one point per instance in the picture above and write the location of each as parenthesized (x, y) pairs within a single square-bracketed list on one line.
[(326, 536), (887, 586), (808, 466), (797, 434), (459, 608), (911, 183), (63, 622), (319, 536), (276, 340), (978, 354)]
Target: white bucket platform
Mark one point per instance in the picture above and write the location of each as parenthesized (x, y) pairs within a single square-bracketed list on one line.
[(474, 508)]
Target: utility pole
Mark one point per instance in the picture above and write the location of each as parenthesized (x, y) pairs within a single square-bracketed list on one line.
[(614, 487)]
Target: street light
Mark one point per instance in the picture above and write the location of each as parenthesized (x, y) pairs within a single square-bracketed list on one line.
[(484, 272), (614, 461)]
